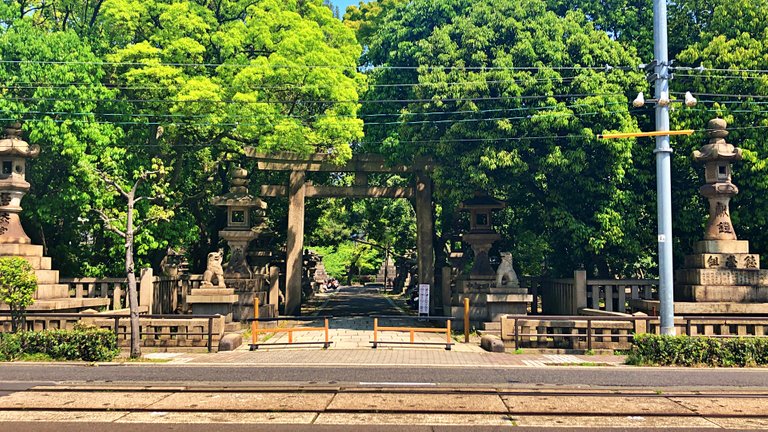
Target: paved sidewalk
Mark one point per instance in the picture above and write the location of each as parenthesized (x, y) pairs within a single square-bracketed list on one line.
[(405, 357)]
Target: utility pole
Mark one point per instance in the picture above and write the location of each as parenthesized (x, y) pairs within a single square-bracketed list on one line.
[(663, 168)]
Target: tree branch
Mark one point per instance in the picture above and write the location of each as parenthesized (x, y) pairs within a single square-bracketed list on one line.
[(108, 222), (142, 178), (108, 180)]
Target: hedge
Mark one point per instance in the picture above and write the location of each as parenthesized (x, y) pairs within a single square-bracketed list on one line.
[(88, 344), (651, 349)]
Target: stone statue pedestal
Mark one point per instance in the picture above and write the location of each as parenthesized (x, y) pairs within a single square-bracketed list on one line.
[(488, 302), (212, 301)]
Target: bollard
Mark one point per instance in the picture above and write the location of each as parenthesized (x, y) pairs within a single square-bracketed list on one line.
[(448, 335), (466, 320), (255, 323), (327, 343)]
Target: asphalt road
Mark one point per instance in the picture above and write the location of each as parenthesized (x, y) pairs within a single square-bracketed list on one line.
[(259, 375)]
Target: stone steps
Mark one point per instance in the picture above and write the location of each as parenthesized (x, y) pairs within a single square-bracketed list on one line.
[(38, 262), (47, 277), (51, 291), (22, 250)]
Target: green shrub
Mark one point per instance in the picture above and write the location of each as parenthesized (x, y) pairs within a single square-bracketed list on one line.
[(17, 288), (650, 349), (78, 344)]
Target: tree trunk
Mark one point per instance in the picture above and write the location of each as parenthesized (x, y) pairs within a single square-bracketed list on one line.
[(133, 297)]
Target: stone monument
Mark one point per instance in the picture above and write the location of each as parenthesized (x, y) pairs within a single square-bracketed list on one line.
[(246, 222), (387, 272), (50, 294), (240, 230), (721, 277), (489, 298), (210, 298)]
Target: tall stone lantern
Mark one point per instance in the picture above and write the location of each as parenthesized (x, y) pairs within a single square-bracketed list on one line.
[(241, 227), (721, 276), (717, 156), (481, 235), (14, 153)]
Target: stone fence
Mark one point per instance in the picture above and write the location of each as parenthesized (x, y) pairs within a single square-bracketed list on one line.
[(166, 295), (157, 294), (569, 296), (615, 332), (158, 331)]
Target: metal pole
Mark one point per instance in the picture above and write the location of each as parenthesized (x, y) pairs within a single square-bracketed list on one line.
[(663, 171)]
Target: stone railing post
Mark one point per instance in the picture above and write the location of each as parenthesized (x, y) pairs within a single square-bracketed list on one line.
[(579, 290), (146, 289)]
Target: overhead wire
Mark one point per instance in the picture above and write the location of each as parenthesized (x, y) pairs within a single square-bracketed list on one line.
[(299, 100), (314, 66)]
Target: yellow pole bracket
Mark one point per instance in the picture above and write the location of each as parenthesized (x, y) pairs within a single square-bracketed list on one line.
[(645, 134)]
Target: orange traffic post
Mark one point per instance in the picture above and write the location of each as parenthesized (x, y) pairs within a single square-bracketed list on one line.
[(411, 335), (375, 330), (448, 332), (466, 320), (290, 336), (255, 323), (326, 333)]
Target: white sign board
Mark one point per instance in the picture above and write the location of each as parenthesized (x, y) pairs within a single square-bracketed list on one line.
[(423, 299)]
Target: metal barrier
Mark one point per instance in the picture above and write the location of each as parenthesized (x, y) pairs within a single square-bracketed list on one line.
[(682, 324), (412, 330), (255, 330), (142, 328)]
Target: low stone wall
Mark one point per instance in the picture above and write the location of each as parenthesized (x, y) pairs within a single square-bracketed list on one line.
[(548, 333), (608, 333), (183, 332)]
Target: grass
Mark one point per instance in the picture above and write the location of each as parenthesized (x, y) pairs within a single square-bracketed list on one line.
[(37, 357)]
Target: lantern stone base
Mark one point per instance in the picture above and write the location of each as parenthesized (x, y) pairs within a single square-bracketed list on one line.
[(212, 301), (720, 278), (488, 302)]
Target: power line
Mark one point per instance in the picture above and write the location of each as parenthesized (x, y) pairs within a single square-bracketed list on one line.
[(111, 86), (363, 68), (426, 113), (298, 100)]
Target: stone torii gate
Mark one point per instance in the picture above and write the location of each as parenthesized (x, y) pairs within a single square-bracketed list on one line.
[(361, 165)]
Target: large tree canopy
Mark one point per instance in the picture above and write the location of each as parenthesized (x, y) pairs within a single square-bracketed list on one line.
[(507, 97), (119, 86)]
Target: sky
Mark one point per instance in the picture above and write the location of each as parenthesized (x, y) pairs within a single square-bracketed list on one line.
[(342, 4)]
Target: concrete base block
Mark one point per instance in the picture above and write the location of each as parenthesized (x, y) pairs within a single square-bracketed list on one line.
[(721, 246), (492, 343), (230, 341), (703, 308), (718, 293)]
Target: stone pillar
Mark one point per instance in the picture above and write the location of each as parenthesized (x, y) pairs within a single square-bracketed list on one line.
[(294, 243), (274, 286), (447, 294), (424, 232), (147, 289), (580, 291)]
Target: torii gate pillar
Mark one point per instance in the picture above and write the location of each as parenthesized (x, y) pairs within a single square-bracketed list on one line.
[(294, 242)]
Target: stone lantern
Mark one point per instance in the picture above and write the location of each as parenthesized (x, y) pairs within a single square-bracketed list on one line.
[(241, 228), (721, 276), (14, 153), (50, 295), (481, 235), (717, 156)]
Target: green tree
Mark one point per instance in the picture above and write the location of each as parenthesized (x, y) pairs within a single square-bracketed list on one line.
[(508, 99), (115, 84), (17, 287)]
